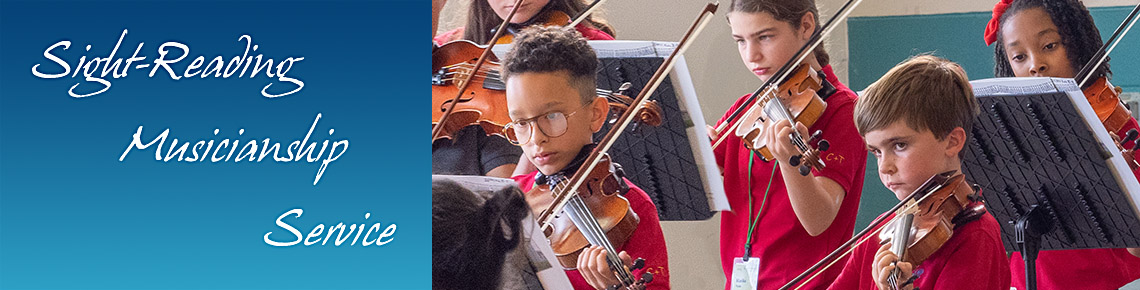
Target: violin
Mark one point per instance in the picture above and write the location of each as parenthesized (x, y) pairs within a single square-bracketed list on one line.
[(441, 127), (922, 222), (793, 81), (1104, 97), (806, 107), (484, 102), (549, 18), (597, 179), (1105, 100), (948, 202), (603, 198)]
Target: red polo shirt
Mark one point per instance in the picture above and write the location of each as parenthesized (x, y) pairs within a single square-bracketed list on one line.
[(646, 242), (1078, 269), (783, 246), (973, 258)]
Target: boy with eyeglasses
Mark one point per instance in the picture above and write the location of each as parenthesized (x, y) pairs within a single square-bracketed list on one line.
[(550, 85)]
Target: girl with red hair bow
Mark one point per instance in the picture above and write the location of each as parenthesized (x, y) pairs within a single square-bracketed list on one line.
[(1055, 38)]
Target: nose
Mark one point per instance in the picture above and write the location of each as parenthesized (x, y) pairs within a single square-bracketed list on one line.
[(536, 134), (887, 165), (1039, 67), (752, 52)]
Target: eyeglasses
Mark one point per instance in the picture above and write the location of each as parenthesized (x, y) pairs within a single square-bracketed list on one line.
[(551, 124)]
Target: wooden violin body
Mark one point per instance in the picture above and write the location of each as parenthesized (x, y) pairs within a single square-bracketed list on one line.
[(483, 103), (798, 98), (936, 215), (602, 194), (1105, 100)]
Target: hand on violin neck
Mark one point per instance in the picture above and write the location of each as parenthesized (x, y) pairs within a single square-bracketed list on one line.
[(779, 141), (595, 269), (884, 267)]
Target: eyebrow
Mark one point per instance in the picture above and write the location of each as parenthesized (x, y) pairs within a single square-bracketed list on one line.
[(546, 110), (890, 141), (1043, 32), (762, 31)]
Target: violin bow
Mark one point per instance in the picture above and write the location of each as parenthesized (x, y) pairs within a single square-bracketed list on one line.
[(1102, 54), (561, 198), (926, 189), (582, 16), (785, 71), (435, 132)]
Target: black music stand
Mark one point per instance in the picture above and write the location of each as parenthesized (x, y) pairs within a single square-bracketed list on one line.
[(1049, 169)]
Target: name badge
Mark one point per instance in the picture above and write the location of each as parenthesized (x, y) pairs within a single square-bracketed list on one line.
[(745, 273)]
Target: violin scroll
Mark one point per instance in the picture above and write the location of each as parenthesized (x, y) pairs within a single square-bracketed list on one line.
[(650, 114)]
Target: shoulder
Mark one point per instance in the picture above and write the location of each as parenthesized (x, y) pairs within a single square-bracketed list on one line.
[(638, 199), (980, 236), (591, 33)]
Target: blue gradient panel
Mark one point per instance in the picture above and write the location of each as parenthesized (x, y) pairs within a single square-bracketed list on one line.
[(72, 216)]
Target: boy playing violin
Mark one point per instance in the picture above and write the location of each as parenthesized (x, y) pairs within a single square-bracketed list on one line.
[(914, 120), (550, 76)]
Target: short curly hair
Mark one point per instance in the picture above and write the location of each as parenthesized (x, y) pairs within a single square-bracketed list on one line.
[(555, 49), (1078, 32)]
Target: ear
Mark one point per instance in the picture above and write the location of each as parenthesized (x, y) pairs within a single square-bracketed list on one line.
[(956, 140), (600, 109), (807, 25)]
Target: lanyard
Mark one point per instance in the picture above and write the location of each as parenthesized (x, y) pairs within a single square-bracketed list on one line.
[(753, 219)]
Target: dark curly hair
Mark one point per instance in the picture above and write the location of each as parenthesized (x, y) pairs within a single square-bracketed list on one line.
[(789, 11), (1078, 32), (470, 237), (554, 49), (481, 19)]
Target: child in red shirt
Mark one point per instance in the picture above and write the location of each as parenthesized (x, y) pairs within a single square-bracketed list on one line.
[(550, 81), (915, 120), (486, 15), (1032, 42), (784, 220)]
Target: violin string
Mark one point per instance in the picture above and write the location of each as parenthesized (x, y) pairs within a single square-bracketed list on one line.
[(588, 226), (600, 238)]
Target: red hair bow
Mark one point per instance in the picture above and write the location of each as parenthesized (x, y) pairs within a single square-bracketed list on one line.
[(992, 27)]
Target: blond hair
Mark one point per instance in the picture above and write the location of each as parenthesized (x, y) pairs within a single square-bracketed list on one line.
[(926, 91)]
